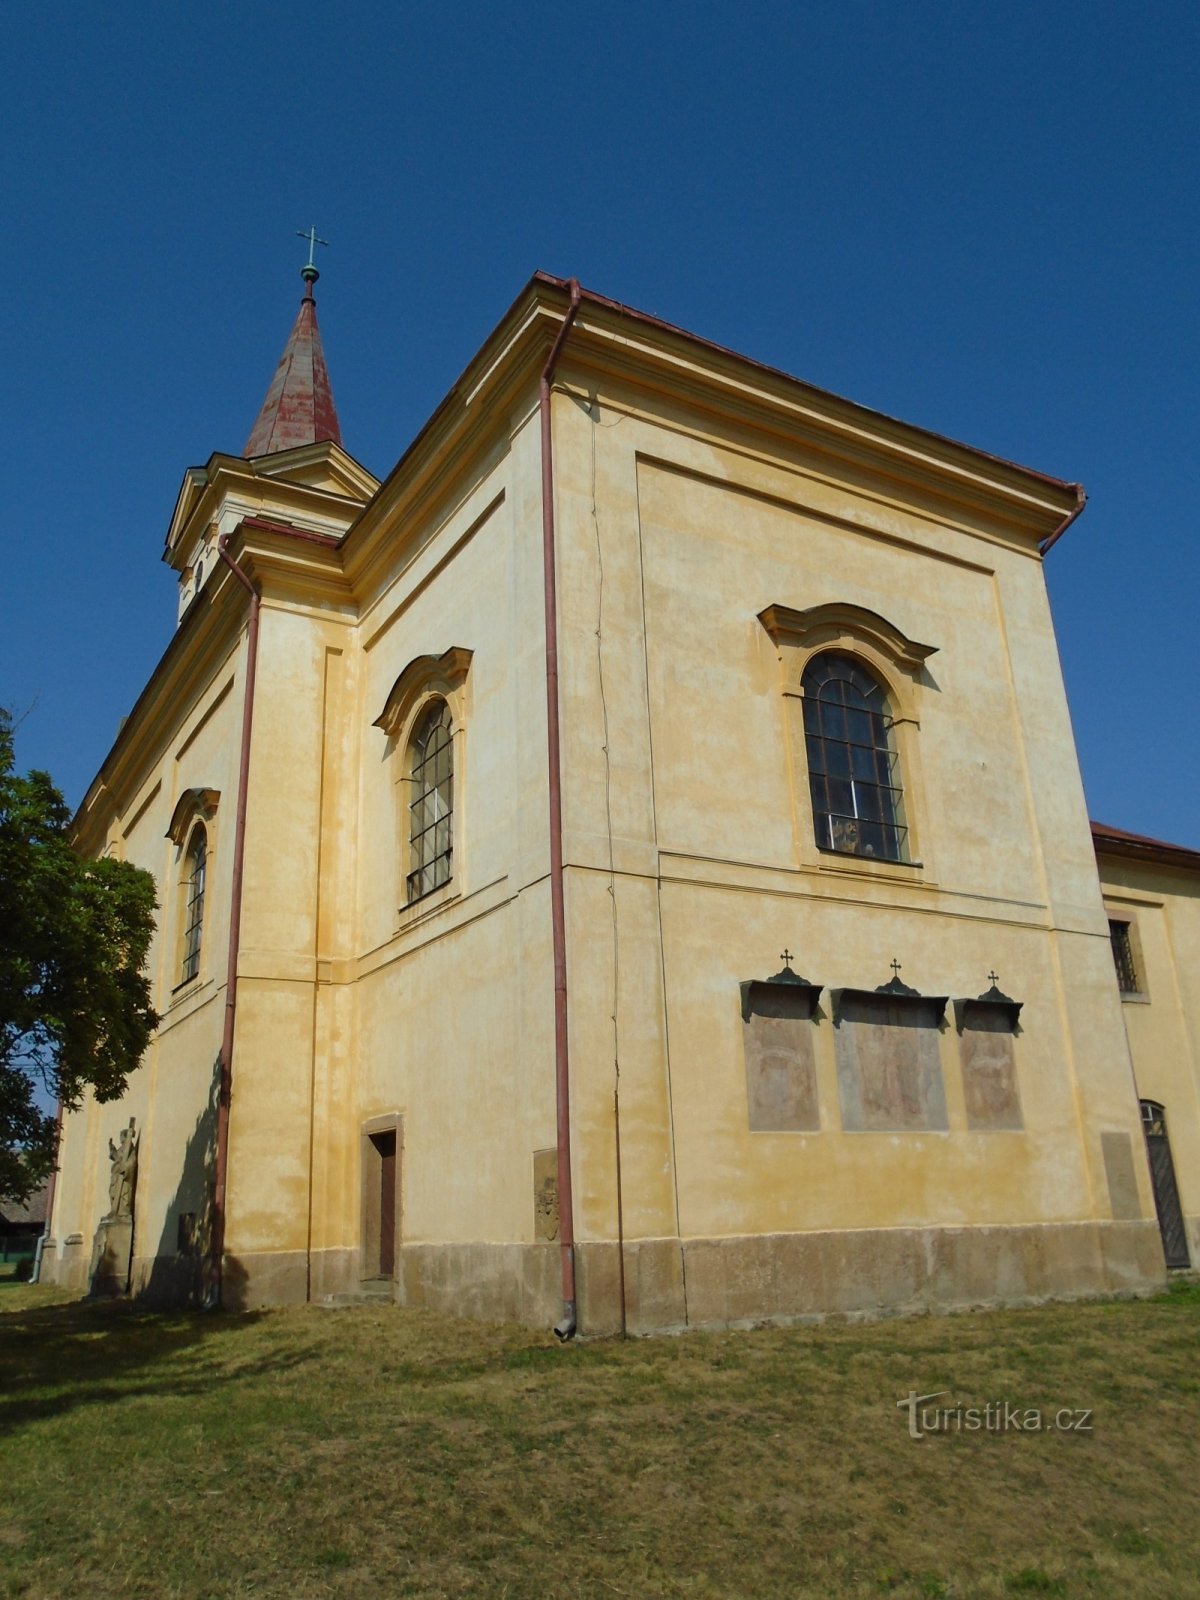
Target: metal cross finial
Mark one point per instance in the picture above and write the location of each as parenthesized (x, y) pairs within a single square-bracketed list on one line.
[(786, 957), (993, 977), (313, 242), (895, 966)]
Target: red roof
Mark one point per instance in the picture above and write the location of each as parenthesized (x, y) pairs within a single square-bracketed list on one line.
[(1139, 847), (299, 406)]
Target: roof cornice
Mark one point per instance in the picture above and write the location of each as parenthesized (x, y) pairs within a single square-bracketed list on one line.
[(1137, 847), (269, 478), (846, 415), (665, 360)]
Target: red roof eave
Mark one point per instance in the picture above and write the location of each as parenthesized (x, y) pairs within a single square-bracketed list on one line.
[(1140, 847)]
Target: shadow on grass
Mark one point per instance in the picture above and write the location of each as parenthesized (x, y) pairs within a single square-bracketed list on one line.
[(56, 1358)]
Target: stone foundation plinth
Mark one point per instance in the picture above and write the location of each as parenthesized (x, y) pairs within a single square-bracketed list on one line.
[(672, 1284)]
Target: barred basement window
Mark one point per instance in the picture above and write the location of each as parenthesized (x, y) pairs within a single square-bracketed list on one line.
[(193, 917), (853, 766), (431, 805), (1122, 949)]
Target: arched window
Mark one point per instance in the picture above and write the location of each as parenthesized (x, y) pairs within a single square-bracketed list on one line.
[(431, 801), (853, 767), (195, 867)]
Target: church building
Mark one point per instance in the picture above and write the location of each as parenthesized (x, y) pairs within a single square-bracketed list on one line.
[(629, 869)]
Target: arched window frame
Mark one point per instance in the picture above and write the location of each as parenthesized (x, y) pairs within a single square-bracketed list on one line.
[(193, 824), (898, 664), (873, 819), (426, 682)]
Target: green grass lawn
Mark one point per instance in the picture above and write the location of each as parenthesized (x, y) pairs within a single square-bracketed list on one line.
[(384, 1452)]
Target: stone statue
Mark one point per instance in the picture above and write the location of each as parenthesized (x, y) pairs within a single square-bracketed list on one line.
[(112, 1248), (121, 1180)]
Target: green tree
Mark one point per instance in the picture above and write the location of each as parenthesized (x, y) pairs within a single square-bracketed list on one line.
[(75, 1007)]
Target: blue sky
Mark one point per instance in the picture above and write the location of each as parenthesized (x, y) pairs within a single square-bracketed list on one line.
[(980, 218)]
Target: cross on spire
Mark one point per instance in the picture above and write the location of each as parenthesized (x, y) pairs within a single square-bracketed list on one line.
[(313, 242), (896, 967), (786, 957), (993, 977)]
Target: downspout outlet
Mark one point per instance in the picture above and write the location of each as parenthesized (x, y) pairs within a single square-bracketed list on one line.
[(565, 1329)]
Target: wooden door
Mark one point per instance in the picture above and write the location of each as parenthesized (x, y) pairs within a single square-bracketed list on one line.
[(385, 1150)]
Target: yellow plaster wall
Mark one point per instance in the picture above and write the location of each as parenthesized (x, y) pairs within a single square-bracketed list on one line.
[(1163, 1024), (670, 547), (171, 1094)]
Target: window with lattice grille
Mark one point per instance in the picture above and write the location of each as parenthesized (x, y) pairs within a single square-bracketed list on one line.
[(431, 802), (1122, 948), (853, 766), (193, 916)]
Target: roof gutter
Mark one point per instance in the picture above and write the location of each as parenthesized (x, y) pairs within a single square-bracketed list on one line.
[(564, 1329), (216, 1264), (1052, 539)]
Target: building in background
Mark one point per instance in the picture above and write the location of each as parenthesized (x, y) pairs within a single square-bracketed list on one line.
[(729, 946)]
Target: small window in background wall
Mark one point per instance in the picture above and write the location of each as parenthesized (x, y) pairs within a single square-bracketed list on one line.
[(1120, 933)]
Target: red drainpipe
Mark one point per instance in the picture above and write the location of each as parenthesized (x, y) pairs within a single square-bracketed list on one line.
[(1052, 539), (565, 1329), (213, 1296)]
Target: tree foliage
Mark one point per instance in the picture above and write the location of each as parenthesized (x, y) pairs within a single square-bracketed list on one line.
[(75, 1008)]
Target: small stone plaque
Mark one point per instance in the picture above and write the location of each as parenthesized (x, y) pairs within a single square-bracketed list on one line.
[(545, 1194), (1122, 1179)]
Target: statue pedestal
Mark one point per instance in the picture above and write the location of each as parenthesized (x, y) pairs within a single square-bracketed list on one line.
[(112, 1257)]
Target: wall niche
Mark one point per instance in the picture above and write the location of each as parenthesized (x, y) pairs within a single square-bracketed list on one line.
[(889, 1067), (986, 1027), (779, 1017)]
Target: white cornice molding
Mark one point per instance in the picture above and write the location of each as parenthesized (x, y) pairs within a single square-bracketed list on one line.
[(225, 480), (672, 364)]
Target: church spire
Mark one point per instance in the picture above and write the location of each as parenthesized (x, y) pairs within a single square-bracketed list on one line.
[(299, 406)]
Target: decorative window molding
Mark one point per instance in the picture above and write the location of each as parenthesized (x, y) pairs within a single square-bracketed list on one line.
[(192, 830), (829, 834), (840, 625), (429, 699), (426, 677), (193, 805)]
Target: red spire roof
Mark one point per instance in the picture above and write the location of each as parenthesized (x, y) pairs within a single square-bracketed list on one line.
[(299, 406)]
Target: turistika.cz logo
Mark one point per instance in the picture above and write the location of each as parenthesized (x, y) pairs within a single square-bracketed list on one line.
[(997, 1416)]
